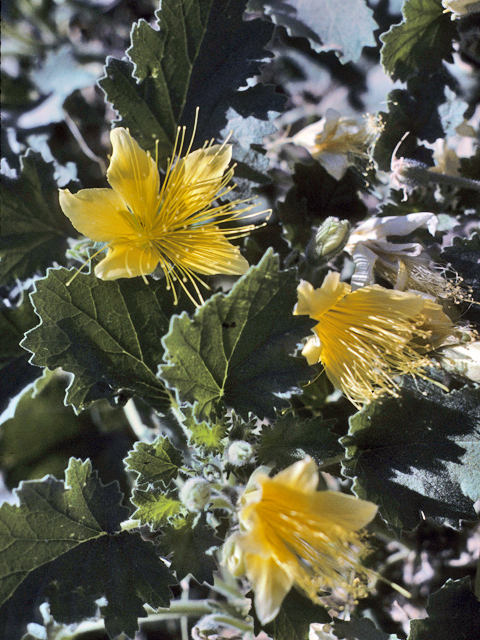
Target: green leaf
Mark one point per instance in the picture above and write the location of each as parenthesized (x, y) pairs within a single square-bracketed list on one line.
[(34, 228), (156, 508), (463, 257), (106, 333), (290, 439), (199, 55), (344, 27), (15, 371), (359, 629), (155, 462), (315, 196), (205, 435), (418, 455), (453, 614), (420, 42), (294, 618), (235, 350), (189, 544), (62, 543)]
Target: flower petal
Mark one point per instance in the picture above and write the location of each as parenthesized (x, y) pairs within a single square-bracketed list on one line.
[(271, 584), (126, 260), (133, 174), (343, 510), (97, 213), (315, 302), (301, 476), (206, 164)]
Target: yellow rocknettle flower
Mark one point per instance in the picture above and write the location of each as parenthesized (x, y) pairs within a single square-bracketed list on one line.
[(174, 224), (365, 338), (291, 534)]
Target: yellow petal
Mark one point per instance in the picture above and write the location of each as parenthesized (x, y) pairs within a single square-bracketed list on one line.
[(301, 476), (206, 164), (125, 260), (271, 584), (312, 350), (97, 213), (346, 511), (133, 174), (315, 302)]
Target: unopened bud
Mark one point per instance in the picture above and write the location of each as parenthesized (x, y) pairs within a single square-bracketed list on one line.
[(195, 494), (330, 239), (240, 453)]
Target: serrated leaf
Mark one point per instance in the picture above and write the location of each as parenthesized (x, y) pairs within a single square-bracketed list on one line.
[(235, 350), (34, 229), (189, 544), (155, 462), (417, 455), (206, 435), (156, 508), (52, 520), (420, 42), (199, 55), (329, 25), (293, 621), (290, 439), (106, 333), (453, 614), (360, 629), (122, 568), (315, 196), (62, 543)]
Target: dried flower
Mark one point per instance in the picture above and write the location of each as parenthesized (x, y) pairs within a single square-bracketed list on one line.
[(336, 142), (174, 224), (365, 338), (291, 534)]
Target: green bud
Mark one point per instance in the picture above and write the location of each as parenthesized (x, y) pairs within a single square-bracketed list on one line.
[(330, 239), (240, 453), (195, 494)]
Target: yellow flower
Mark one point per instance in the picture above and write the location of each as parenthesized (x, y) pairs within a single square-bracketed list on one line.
[(365, 338), (174, 224), (291, 534)]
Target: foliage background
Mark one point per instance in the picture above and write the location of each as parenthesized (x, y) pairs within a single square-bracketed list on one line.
[(69, 70)]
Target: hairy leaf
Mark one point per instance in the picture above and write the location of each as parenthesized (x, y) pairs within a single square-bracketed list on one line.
[(106, 333), (420, 42), (199, 55), (235, 350), (418, 454), (155, 462), (65, 535), (290, 439), (188, 544), (453, 612), (343, 26), (156, 508), (34, 229)]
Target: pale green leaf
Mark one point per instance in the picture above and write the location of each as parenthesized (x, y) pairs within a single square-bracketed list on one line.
[(156, 508), (155, 462)]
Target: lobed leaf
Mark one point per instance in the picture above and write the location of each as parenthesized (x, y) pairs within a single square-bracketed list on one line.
[(417, 455), (420, 42), (106, 333), (155, 462), (156, 508), (329, 25), (34, 228), (235, 350)]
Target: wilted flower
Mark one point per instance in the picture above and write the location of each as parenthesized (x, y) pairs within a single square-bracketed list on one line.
[(336, 142), (406, 266), (291, 534), (365, 338), (174, 224)]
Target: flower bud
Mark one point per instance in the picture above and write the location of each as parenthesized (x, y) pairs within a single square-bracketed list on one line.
[(330, 239), (195, 494), (240, 453)]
